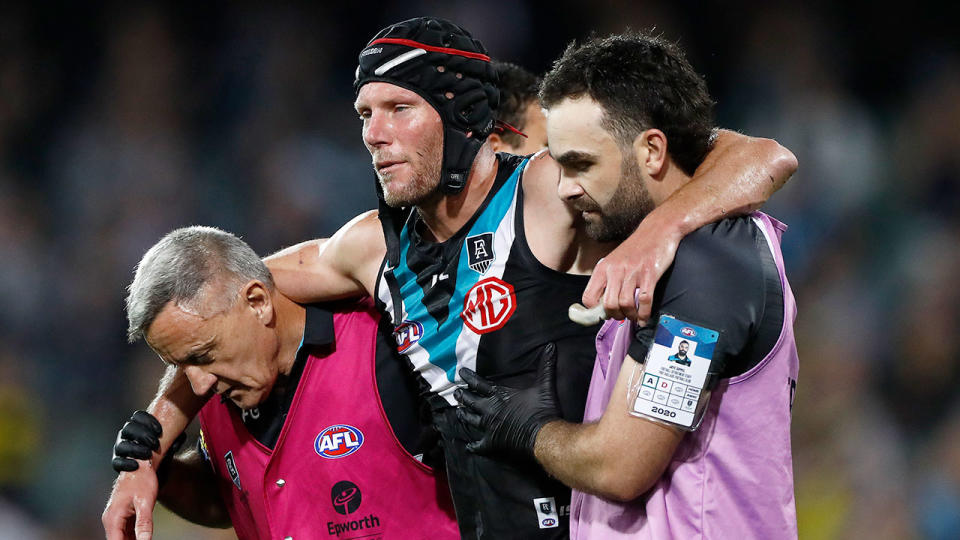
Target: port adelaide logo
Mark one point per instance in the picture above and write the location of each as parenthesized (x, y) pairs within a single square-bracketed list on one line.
[(338, 441), (480, 252)]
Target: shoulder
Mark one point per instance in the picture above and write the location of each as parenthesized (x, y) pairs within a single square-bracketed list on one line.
[(541, 167), (731, 245), (540, 179), (717, 270), (365, 226), (361, 236), (357, 249)]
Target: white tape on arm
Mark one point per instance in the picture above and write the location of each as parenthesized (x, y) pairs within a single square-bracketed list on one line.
[(587, 316)]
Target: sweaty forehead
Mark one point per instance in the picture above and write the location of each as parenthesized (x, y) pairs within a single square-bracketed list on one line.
[(175, 330), (373, 93), (576, 124)]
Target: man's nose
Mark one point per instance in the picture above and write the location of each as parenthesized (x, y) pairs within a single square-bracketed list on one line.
[(568, 189), (200, 381), (377, 129)]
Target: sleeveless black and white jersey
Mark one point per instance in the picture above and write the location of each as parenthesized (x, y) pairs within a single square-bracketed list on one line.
[(482, 300)]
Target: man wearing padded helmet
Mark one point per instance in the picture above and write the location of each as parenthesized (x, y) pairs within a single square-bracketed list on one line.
[(475, 258)]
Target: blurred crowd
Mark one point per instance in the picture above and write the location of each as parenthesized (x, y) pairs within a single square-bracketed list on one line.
[(121, 122)]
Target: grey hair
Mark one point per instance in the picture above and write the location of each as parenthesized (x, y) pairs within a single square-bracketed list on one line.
[(179, 269)]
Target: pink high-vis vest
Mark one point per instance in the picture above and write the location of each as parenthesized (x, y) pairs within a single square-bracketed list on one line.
[(733, 476), (337, 470)]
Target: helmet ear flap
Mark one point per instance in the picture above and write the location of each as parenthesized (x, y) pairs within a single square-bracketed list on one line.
[(471, 109)]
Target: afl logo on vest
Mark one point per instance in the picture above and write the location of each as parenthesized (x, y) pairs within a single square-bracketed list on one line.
[(338, 441), (488, 305), (687, 331), (408, 333)]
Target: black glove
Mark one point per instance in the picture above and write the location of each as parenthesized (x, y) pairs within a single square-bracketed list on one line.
[(509, 418), (139, 439)]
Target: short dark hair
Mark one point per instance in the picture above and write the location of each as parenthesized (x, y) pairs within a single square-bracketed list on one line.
[(518, 89), (642, 81)]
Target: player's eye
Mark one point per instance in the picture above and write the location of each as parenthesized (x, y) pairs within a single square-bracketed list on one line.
[(577, 167)]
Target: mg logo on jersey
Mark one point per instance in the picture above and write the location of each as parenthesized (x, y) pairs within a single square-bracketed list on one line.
[(480, 252), (687, 331), (488, 305), (338, 441), (408, 333)]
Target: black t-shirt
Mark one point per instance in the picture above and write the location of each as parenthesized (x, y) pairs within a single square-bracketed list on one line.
[(724, 278)]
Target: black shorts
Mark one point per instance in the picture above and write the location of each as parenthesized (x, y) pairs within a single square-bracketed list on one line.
[(500, 498)]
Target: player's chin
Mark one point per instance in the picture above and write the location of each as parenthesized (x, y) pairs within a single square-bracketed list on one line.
[(397, 198), (244, 399)]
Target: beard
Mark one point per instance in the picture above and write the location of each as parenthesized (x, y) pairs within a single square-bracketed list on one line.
[(630, 203), (423, 176)]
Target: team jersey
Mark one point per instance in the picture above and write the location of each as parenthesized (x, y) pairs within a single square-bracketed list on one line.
[(482, 300), (733, 476)]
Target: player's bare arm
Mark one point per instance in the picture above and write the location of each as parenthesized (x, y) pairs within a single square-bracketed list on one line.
[(737, 176), (619, 457), (553, 228), (346, 265)]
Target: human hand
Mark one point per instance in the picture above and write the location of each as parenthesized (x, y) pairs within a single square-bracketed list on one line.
[(137, 439), (509, 418), (623, 282), (129, 511)]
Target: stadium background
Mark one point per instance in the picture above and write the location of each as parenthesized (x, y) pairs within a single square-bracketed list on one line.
[(119, 122)]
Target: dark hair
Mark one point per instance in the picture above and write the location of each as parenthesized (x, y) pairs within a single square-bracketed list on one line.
[(518, 88), (642, 82)]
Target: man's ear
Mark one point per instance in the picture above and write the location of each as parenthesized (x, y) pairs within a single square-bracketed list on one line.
[(258, 299), (650, 149), (496, 143)]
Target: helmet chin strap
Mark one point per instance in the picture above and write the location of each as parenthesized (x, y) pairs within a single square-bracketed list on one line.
[(458, 156)]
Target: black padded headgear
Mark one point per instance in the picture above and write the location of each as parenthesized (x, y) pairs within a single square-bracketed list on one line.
[(442, 63)]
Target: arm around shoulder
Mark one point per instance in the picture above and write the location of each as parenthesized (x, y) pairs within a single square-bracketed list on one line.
[(342, 266), (755, 167)]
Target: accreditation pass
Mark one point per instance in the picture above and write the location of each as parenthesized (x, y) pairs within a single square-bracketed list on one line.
[(675, 373)]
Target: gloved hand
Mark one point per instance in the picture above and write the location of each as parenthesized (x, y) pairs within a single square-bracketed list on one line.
[(509, 418), (138, 439)]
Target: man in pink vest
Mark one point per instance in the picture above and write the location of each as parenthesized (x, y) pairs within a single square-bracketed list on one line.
[(691, 445), (312, 435)]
